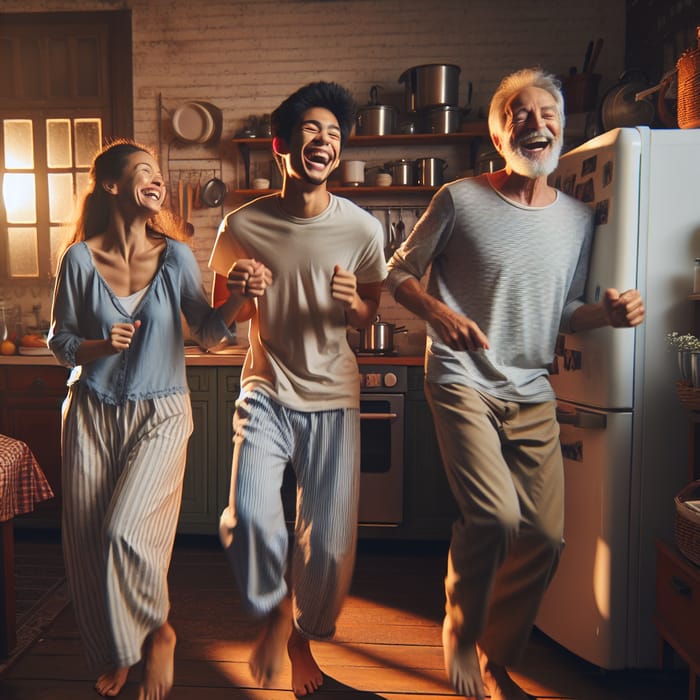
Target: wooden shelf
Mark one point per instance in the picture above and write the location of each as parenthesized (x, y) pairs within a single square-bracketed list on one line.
[(472, 130), (357, 191)]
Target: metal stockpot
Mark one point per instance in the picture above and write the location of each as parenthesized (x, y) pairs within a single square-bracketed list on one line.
[(374, 119), (402, 171), (444, 119), (431, 171), (379, 337), (431, 85)]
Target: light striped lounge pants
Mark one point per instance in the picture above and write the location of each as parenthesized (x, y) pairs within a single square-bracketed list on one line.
[(123, 468), (323, 448)]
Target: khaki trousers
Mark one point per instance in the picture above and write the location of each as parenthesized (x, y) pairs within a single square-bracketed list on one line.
[(504, 465)]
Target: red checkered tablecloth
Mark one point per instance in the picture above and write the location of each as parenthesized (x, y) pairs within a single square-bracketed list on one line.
[(22, 483)]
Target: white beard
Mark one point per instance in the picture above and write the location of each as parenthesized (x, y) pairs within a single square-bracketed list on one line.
[(523, 163)]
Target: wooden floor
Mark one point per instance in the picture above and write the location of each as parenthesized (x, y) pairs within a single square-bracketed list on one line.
[(387, 643)]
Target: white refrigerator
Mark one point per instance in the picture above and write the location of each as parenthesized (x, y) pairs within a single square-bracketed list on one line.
[(624, 432)]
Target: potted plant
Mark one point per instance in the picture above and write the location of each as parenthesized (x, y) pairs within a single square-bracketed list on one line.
[(688, 349)]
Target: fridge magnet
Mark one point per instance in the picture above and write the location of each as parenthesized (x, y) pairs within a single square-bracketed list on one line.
[(589, 165), (607, 173), (601, 212)]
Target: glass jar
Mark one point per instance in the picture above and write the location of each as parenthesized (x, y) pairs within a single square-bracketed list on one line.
[(4, 330)]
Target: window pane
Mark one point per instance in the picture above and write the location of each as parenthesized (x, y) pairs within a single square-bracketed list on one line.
[(82, 181), (19, 194), (58, 151), (23, 252), (88, 140), (19, 145), (60, 197), (57, 235)]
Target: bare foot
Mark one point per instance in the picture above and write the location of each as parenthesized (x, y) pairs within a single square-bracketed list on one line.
[(498, 681), (159, 664), (461, 664), (306, 675), (109, 684), (268, 654)]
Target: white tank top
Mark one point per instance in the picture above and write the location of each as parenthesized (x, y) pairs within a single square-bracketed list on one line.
[(132, 301)]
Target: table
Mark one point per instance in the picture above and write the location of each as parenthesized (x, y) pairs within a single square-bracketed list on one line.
[(22, 485)]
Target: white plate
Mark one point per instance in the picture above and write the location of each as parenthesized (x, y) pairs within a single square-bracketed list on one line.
[(34, 351), (193, 123)]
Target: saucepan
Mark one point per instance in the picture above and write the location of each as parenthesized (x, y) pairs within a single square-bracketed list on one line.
[(379, 337), (213, 193)]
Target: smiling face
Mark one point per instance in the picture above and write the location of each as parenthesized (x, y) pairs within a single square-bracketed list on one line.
[(531, 139), (314, 149), (141, 184)]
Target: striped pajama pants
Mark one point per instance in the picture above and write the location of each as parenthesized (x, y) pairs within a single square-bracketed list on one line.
[(123, 468), (323, 449)]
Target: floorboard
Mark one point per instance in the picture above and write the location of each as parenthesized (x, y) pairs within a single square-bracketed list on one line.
[(387, 645)]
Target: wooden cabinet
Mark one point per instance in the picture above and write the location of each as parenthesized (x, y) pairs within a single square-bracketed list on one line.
[(430, 504), (213, 392), (229, 383), (200, 485), (678, 611), (30, 411)]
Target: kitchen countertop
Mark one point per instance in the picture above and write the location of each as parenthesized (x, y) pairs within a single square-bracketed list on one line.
[(233, 357)]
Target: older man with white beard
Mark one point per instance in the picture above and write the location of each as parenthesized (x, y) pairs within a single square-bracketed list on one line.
[(508, 258)]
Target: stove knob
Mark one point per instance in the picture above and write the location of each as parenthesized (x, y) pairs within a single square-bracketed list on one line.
[(390, 379)]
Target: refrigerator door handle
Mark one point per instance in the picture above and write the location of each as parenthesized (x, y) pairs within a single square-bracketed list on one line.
[(582, 419)]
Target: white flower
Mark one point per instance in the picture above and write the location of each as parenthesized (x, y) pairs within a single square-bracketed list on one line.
[(686, 342)]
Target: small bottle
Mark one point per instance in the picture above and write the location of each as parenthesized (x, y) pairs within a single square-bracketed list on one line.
[(696, 277)]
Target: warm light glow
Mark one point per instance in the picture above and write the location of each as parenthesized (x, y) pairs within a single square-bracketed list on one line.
[(23, 252), (88, 140), (82, 182), (19, 144), (61, 198), (58, 144), (602, 578), (19, 196), (57, 236)]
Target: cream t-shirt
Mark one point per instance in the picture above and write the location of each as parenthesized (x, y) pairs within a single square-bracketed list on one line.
[(299, 353)]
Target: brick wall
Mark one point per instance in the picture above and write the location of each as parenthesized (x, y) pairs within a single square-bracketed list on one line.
[(246, 56)]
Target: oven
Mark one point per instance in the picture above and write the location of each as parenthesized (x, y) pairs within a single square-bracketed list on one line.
[(382, 397)]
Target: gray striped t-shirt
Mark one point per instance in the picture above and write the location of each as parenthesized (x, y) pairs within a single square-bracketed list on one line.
[(519, 272)]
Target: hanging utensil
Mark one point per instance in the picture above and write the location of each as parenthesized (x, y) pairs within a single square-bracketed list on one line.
[(388, 248), (594, 56), (400, 232), (181, 199), (213, 193), (189, 196), (587, 57)]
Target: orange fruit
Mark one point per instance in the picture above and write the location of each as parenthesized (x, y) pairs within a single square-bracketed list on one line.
[(7, 347)]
